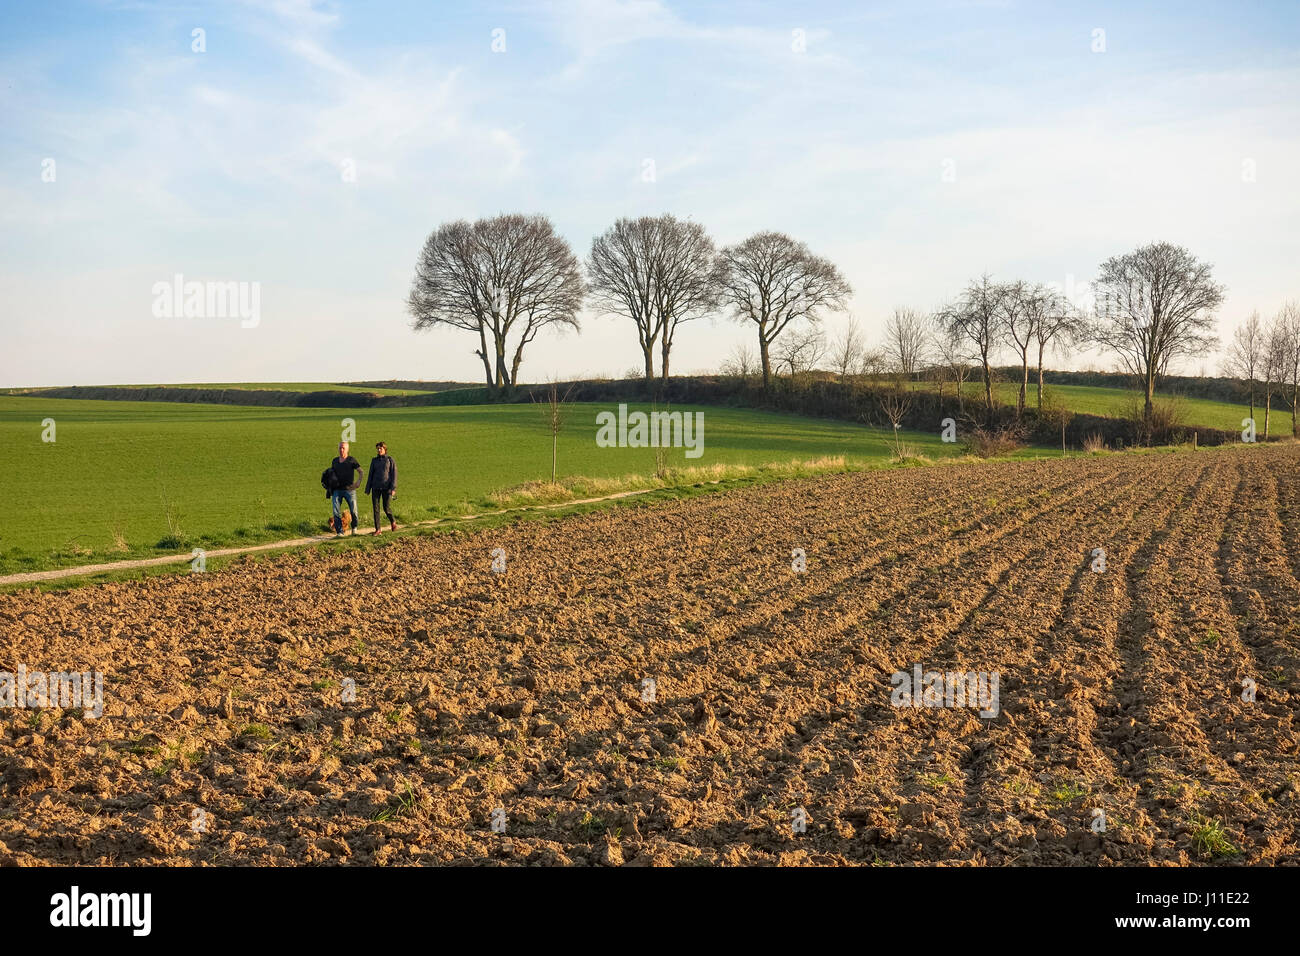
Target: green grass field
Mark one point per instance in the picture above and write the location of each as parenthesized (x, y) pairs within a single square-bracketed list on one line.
[(135, 479), (266, 386), (288, 387), (1092, 400)]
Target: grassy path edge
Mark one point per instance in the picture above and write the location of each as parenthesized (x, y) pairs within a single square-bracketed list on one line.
[(738, 476), (28, 577)]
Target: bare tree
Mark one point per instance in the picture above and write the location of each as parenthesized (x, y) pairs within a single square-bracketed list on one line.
[(1274, 365), (1058, 323), (1246, 355), (685, 279), (555, 407), (895, 402), (1286, 333), (801, 349), (771, 280), (906, 341), (873, 362), (846, 353), (1020, 329), (620, 274), (975, 320), (658, 271), (452, 287), (1056, 413), (953, 358), (505, 278), (741, 362), (1155, 305)]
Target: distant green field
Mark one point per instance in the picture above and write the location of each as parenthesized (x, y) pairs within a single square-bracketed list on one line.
[(288, 387), (273, 387), (1092, 400), (240, 474)]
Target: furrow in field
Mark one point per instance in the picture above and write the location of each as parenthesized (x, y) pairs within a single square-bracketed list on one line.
[(1119, 705), (781, 655), (997, 633), (1255, 574), (1287, 471), (699, 573), (778, 655), (1257, 596), (1209, 661), (1041, 773), (817, 743), (722, 618), (1175, 686), (523, 692), (1020, 637)]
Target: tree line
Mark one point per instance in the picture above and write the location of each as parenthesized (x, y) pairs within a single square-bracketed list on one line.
[(1265, 354), (505, 278)]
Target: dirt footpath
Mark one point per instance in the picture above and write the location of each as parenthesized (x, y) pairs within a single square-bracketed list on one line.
[(721, 680)]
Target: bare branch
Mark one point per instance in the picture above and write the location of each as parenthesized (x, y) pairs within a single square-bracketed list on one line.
[(1155, 305), (504, 279), (771, 280)]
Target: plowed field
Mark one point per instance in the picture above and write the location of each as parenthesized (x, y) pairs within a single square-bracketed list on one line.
[(523, 698)]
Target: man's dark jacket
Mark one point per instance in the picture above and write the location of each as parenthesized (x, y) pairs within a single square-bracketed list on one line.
[(382, 476), (346, 474)]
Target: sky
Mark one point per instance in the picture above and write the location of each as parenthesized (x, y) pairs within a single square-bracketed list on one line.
[(307, 149)]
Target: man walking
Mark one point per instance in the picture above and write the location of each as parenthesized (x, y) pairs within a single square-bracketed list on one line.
[(381, 484), (345, 482)]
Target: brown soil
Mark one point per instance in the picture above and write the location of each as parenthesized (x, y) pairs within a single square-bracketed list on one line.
[(1119, 690)]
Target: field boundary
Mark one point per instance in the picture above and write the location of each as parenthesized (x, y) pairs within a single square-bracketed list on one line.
[(32, 577), (129, 564)]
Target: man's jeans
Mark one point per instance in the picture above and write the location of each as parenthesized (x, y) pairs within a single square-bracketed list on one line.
[(335, 498)]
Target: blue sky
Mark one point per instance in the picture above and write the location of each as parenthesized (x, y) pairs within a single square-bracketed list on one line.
[(228, 164)]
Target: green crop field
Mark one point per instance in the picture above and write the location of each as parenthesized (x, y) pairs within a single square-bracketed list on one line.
[(289, 387), (1094, 400), (269, 387), (135, 479)]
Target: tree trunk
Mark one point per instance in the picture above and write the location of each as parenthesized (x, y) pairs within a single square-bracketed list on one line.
[(1268, 407), (1149, 407), (503, 380), (555, 452), (1024, 386), (648, 353), (663, 369), (1040, 383), (767, 362), (988, 387), (516, 362), (483, 354)]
